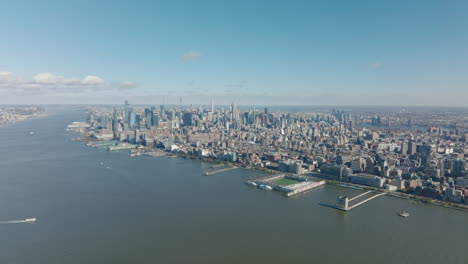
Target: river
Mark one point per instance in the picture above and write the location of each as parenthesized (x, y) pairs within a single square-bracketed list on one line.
[(94, 206)]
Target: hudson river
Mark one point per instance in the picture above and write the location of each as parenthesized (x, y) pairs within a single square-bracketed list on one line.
[(93, 206)]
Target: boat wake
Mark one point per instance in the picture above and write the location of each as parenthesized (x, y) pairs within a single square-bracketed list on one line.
[(30, 220)]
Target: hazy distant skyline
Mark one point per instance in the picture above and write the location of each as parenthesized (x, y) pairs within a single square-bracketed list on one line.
[(253, 52)]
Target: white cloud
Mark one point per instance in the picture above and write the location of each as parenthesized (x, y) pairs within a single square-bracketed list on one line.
[(93, 80), (126, 85), (7, 77), (191, 55), (48, 83), (47, 78)]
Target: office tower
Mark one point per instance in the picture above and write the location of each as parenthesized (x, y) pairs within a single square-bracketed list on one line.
[(425, 150), (127, 110), (212, 106), (188, 119), (155, 120), (411, 147), (132, 119), (404, 148), (457, 167), (234, 111)]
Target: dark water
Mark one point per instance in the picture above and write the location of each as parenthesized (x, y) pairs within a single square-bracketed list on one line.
[(162, 210)]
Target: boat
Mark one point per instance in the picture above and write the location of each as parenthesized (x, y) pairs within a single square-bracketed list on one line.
[(251, 183), (31, 133), (403, 214), (265, 187), (29, 220)]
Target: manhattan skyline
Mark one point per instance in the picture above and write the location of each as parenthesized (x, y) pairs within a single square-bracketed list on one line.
[(262, 53)]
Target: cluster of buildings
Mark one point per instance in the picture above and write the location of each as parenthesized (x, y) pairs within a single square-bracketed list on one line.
[(10, 114), (357, 147)]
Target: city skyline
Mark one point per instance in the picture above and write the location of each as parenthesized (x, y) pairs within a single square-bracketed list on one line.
[(233, 131), (260, 53)]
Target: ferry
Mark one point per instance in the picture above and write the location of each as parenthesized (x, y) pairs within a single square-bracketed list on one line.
[(30, 220), (403, 214)]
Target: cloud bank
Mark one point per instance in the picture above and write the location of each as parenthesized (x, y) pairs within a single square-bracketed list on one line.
[(47, 83)]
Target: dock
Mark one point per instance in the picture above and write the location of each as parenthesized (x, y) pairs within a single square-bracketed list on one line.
[(219, 171), (302, 187), (122, 146)]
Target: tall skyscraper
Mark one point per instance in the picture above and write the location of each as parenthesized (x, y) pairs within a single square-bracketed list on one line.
[(127, 110), (132, 119), (234, 111)]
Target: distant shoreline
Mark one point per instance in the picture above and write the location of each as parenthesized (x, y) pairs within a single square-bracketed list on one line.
[(24, 118)]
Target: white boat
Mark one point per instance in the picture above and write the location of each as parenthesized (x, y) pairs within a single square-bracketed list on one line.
[(265, 187), (28, 220), (251, 183), (403, 214), (31, 133)]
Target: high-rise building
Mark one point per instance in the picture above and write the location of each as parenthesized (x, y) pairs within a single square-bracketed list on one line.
[(132, 119), (404, 148), (457, 167), (155, 120), (411, 148), (234, 112), (187, 118)]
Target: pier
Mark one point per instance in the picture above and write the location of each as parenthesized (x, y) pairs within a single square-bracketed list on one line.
[(360, 195), (343, 201), (219, 171)]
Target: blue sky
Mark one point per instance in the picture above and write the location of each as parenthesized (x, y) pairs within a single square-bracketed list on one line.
[(254, 52)]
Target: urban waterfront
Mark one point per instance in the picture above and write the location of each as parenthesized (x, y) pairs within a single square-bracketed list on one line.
[(95, 206)]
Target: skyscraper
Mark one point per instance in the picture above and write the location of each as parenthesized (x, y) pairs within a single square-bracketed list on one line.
[(188, 119), (411, 147), (234, 112)]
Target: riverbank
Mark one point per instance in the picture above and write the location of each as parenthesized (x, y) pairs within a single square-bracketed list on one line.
[(402, 195), (157, 152)]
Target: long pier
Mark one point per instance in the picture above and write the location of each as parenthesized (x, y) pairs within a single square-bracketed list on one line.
[(219, 171), (343, 201), (365, 201), (360, 195)]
